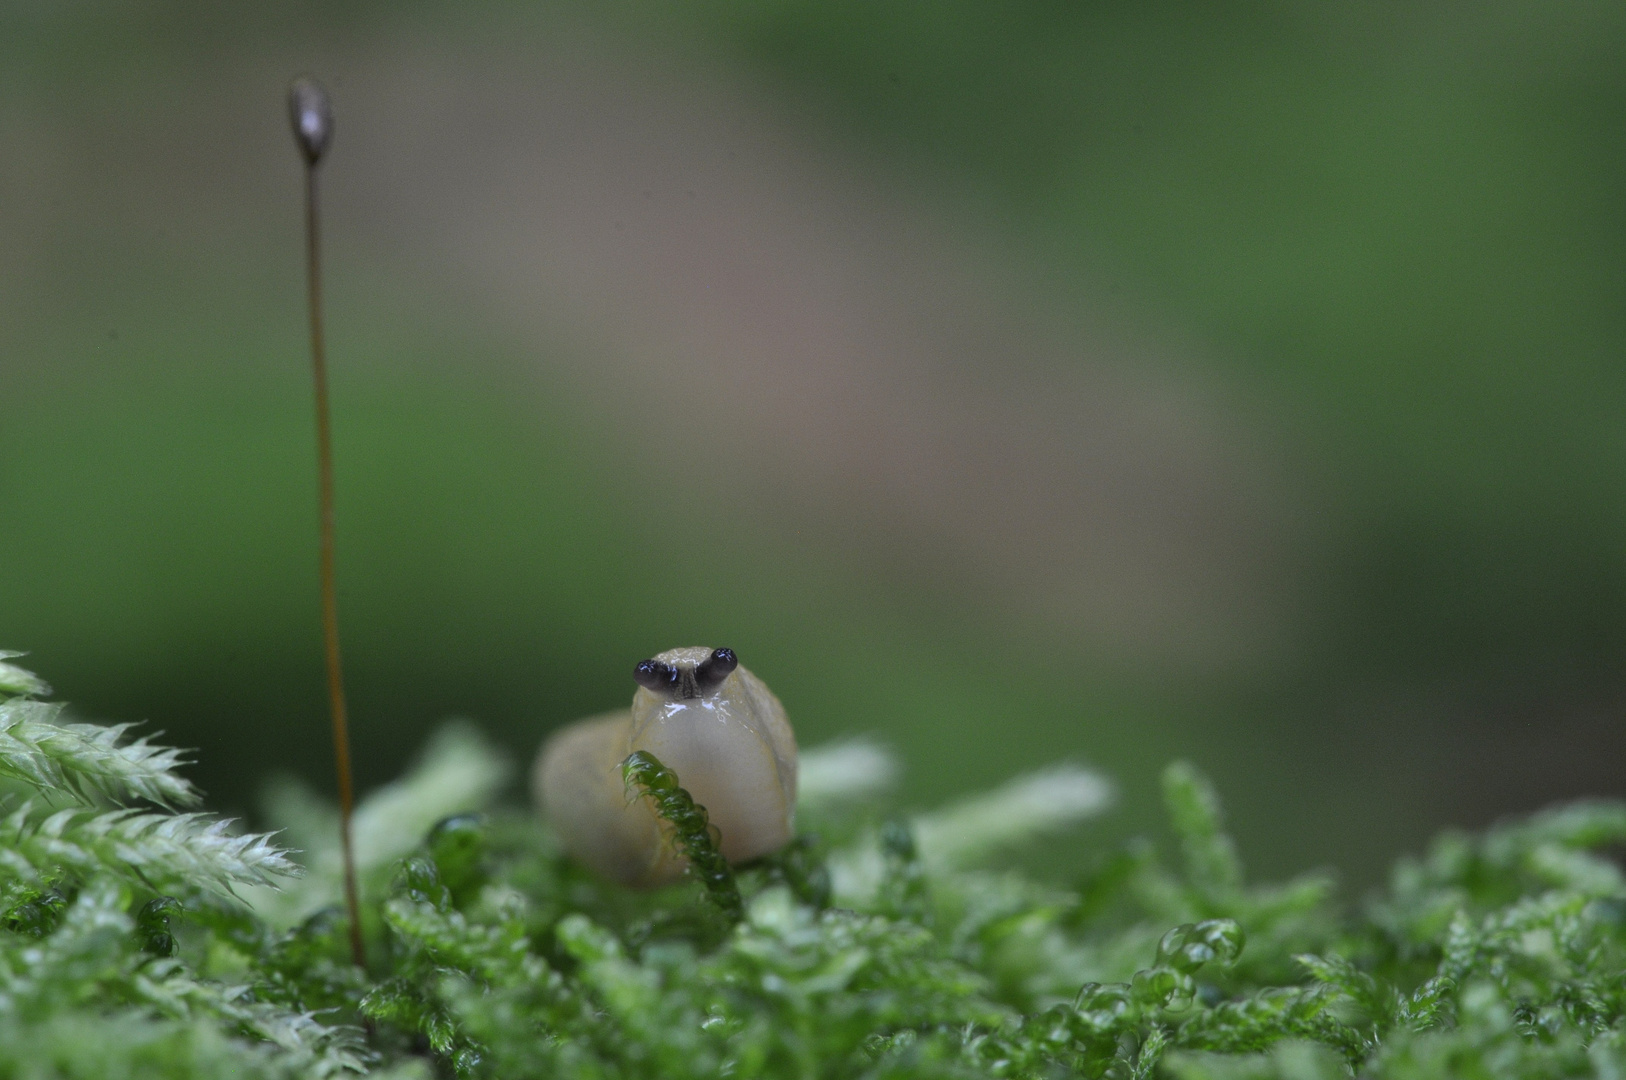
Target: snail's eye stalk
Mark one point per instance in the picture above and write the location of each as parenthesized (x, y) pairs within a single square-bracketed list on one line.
[(715, 668), (654, 675), (312, 117)]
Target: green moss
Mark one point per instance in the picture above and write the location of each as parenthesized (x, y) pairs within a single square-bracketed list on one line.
[(691, 829), (146, 942)]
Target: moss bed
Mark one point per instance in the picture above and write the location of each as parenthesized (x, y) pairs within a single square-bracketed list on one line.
[(141, 938)]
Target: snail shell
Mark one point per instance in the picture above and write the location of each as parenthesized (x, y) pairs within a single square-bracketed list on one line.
[(710, 721)]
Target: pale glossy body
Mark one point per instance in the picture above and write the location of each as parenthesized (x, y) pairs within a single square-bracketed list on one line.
[(730, 745)]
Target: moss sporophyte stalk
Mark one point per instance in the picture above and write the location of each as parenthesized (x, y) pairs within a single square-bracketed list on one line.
[(139, 937)]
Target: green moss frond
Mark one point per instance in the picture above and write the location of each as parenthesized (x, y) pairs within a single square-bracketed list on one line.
[(458, 771), (194, 854), (965, 833), (691, 829), (16, 682), (86, 761)]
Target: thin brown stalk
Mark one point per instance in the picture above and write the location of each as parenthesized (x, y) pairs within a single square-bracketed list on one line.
[(313, 129)]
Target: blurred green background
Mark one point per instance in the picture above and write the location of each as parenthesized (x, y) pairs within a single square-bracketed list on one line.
[(1013, 381)]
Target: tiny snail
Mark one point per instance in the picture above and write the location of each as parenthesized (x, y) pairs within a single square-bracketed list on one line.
[(710, 721)]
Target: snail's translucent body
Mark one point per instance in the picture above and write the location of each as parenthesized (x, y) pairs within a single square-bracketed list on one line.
[(727, 739)]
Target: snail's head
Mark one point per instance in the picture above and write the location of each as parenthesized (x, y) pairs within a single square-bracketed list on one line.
[(684, 674)]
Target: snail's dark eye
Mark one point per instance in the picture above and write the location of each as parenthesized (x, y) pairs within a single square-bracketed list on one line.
[(711, 671), (654, 675)]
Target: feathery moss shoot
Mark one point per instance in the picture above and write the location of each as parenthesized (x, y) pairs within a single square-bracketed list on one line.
[(691, 829), (151, 942)]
